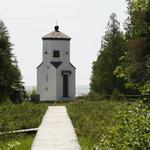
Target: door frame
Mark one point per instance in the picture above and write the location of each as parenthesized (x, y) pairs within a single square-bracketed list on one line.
[(65, 86)]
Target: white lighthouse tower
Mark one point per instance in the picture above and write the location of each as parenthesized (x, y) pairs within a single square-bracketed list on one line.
[(56, 75)]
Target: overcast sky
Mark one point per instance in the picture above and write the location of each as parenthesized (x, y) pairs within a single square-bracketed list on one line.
[(83, 20)]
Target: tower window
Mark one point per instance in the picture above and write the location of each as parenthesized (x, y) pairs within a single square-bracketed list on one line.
[(56, 53)]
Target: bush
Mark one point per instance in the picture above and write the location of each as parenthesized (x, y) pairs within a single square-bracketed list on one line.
[(35, 98), (116, 95), (130, 131), (93, 96), (145, 91), (111, 125)]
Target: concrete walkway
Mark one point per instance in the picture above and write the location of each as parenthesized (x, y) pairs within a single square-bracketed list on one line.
[(56, 131)]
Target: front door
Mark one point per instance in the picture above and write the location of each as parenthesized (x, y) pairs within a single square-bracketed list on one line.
[(65, 85)]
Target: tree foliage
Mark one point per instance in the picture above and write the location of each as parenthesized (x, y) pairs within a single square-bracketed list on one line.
[(112, 48), (135, 64), (10, 76), (129, 73)]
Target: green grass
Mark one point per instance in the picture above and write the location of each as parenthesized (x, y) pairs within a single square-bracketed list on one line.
[(105, 123), (16, 117), (90, 120), (21, 116), (17, 142)]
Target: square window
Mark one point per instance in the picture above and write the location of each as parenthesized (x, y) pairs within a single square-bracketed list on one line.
[(56, 53)]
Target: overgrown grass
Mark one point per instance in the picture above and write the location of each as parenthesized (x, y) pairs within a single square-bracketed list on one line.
[(100, 124), (17, 142), (21, 116), (90, 120)]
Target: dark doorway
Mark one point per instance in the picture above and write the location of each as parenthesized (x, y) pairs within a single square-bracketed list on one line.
[(65, 85)]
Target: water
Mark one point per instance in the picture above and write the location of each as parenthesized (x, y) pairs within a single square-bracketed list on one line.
[(80, 89)]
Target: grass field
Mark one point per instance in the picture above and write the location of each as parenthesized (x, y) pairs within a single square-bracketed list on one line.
[(17, 142), (101, 124), (90, 120), (108, 124), (20, 116)]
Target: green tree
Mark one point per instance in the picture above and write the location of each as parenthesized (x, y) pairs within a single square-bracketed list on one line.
[(112, 48), (135, 65), (10, 76)]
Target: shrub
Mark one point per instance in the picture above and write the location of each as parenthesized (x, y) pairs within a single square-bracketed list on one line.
[(35, 98), (145, 91), (116, 95), (131, 130), (93, 96)]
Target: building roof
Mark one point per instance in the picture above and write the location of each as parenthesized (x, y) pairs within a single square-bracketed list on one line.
[(56, 35)]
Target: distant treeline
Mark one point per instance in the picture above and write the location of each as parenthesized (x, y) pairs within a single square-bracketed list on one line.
[(123, 62)]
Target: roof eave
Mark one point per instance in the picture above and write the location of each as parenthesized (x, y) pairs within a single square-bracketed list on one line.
[(39, 65), (48, 38)]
